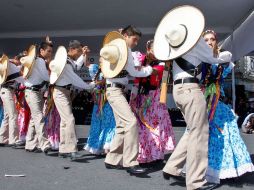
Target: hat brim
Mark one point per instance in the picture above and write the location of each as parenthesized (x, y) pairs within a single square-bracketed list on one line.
[(187, 15), (112, 70), (60, 59), (27, 70), (4, 61)]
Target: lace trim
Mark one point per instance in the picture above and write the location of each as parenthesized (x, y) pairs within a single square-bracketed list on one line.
[(97, 151), (214, 176)]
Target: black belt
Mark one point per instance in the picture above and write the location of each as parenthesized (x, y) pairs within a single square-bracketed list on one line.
[(186, 80), (33, 89), (122, 74), (68, 86), (116, 85), (8, 86)]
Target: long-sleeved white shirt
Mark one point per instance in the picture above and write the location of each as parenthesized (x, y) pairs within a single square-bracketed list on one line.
[(68, 76), (132, 71), (39, 73), (12, 69), (200, 53), (77, 65), (15, 69)]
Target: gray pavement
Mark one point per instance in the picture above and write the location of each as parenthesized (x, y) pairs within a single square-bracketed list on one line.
[(48, 173)]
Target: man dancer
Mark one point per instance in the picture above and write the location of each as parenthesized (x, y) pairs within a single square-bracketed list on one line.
[(36, 140), (62, 99), (172, 43), (124, 147), (9, 129)]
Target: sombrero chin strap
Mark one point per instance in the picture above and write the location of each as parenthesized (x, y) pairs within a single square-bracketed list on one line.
[(13, 76), (188, 67)]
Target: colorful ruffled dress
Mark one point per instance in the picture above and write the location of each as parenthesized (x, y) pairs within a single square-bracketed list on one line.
[(23, 112), (103, 124), (1, 112), (52, 120), (228, 156), (156, 135)]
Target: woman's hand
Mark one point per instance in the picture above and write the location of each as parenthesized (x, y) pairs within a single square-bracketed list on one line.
[(155, 72), (100, 82)]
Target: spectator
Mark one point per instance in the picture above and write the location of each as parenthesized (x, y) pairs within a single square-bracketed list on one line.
[(248, 124)]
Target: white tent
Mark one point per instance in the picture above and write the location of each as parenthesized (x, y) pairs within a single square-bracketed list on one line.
[(26, 21), (241, 41)]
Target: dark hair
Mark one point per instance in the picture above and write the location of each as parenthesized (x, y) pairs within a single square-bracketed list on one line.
[(45, 45), (216, 48), (210, 32), (75, 44), (20, 55), (149, 44), (131, 31)]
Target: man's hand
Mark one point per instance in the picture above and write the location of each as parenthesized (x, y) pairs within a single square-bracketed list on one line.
[(48, 40), (85, 50), (15, 61)]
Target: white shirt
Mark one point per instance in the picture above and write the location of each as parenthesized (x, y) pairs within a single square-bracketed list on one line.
[(39, 73), (15, 69), (200, 53), (130, 68), (12, 69), (68, 76), (78, 64)]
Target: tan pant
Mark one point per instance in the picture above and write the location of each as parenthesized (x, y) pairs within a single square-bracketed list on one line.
[(124, 148), (9, 128), (35, 135), (193, 147), (68, 139)]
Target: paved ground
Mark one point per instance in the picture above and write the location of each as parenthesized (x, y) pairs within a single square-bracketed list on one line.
[(48, 173)]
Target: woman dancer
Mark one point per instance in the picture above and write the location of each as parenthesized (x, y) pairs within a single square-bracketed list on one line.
[(228, 156), (103, 122), (156, 135)]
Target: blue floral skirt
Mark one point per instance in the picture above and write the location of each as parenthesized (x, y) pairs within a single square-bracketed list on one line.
[(1, 113), (102, 130), (228, 156)]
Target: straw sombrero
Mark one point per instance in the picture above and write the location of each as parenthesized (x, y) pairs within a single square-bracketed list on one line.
[(3, 68), (178, 32), (57, 65), (28, 61), (114, 54)]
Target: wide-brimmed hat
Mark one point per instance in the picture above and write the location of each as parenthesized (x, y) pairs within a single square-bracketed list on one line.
[(57, 65), (178, 32), (28, 61), (3, 68), (114, 53)]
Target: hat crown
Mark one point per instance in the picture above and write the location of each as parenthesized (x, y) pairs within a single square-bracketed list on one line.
[(2, 68), (27, 60), (176, 35), (110, 53), (52, 66), (57, 65)]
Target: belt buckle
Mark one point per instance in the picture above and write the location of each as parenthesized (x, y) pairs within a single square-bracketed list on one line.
[(182, 80)]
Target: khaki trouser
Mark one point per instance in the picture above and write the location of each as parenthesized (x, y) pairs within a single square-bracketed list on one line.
[(9, 128), (35, 135), (68, 139), (193, 147), (124, 148)]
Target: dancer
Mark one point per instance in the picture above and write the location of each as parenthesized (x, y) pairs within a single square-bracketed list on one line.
[(117, 63), (178, 38), (35, 74), (156, 135), (103, 122), (228, 156), (62, 76), (9, 77)]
